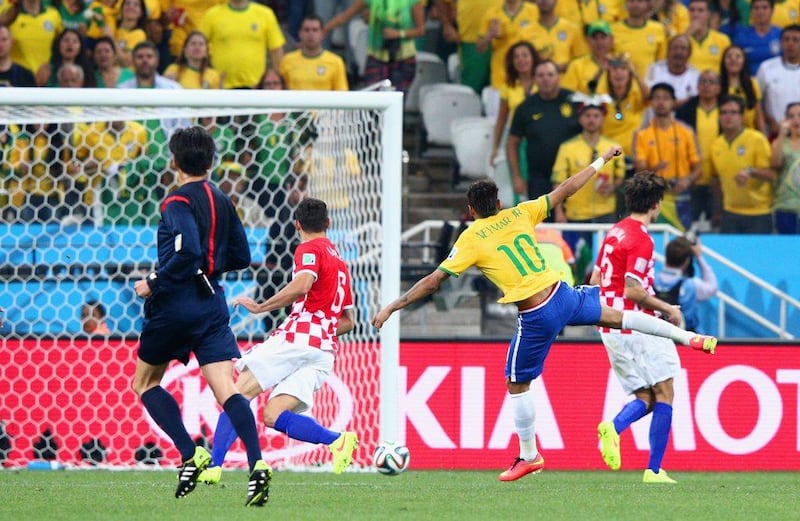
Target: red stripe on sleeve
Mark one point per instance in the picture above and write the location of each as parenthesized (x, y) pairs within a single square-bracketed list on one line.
[(173, 198), (212, 231)]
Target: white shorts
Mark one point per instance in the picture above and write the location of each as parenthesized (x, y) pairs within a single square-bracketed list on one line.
[(641, 361), (287, 368)]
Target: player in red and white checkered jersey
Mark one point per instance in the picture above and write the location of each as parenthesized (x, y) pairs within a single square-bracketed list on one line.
[(645, 365), (298, 357)]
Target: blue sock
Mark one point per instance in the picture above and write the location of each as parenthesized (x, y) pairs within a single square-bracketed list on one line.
[(167, 414), (659, 434), (238, 409), (632, 411), (224, 436), (304, 428)]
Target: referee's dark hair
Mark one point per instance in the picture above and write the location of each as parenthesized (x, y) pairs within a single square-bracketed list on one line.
[(312, 214), (193, 149)]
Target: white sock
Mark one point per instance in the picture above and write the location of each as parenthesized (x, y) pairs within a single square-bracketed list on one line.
[(524, 416), (654, 326)]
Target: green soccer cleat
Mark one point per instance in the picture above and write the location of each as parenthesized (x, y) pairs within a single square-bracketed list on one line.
[(191, 468), (609, 445), (258, 485), (342, 450), (210, 476), (659, 477)]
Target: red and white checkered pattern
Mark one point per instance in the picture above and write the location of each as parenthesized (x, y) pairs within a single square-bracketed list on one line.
[(314, 317), (627, 251)]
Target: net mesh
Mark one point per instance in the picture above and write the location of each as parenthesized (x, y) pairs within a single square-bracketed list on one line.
[(80, 195)]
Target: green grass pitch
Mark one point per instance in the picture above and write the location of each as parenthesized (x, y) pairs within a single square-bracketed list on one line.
[(434, 495)]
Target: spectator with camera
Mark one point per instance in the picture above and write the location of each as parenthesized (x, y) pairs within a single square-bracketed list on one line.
[(676, 284)]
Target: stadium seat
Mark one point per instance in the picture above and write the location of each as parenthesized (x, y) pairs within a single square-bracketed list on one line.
[(472, 142), (430, 69), (490, 99), (454, 68), (357, 31), (501, 175), (440, 104)]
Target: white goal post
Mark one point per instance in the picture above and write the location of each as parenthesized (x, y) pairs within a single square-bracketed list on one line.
[(362, 130)]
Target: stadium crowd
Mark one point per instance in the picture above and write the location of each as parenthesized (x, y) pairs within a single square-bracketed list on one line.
[(704, 92)]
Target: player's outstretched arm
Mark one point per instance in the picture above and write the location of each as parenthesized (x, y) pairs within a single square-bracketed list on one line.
[(425, 286), (298, 287), (576, 182)]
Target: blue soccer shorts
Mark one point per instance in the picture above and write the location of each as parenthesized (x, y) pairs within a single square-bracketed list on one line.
[(538, 327)]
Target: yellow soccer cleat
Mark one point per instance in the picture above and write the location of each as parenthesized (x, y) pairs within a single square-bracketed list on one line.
[(210, 476), (342, 450), (660, 477), (704, 343), (258, 485), (609, 445)]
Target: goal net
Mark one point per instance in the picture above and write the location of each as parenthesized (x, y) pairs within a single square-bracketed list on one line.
[(83, 176)]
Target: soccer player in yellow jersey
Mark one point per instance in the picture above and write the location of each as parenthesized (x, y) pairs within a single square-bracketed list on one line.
[(311, 67), (742, 180), (707, 44), (554, 37), (241, 33), (34, 26), (501, 244), (644, 40), (501, 28)]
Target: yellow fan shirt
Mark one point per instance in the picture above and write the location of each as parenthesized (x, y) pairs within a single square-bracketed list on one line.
[(573, 156), (239, 40), (325, 71), (512, 26), (748, 149)]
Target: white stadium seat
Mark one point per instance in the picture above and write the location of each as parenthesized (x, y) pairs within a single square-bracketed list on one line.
[(472, 142), (357, 36), (454, 68), (430, 69), (442, 103), (490, 97)]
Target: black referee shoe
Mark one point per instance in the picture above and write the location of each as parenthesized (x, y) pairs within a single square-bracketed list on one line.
[(258, 485), (187, 475)]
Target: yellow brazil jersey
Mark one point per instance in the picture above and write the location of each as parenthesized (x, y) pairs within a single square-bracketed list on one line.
[(749, 114), (707, 125), (584, 12), (29, 158), (97, 142), (503, 248), (561, 42), (239, 40), (748, 149), (189, 78), (469, 14), (624, 117), (675, 145), (573, 156), (645, 45), (188, 14), (786, 12), (511, 26), (677, 21), (33, 37), (514, 96), (707, 53), (104, 17), (127, 39), (325, 71), (579, 73)]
